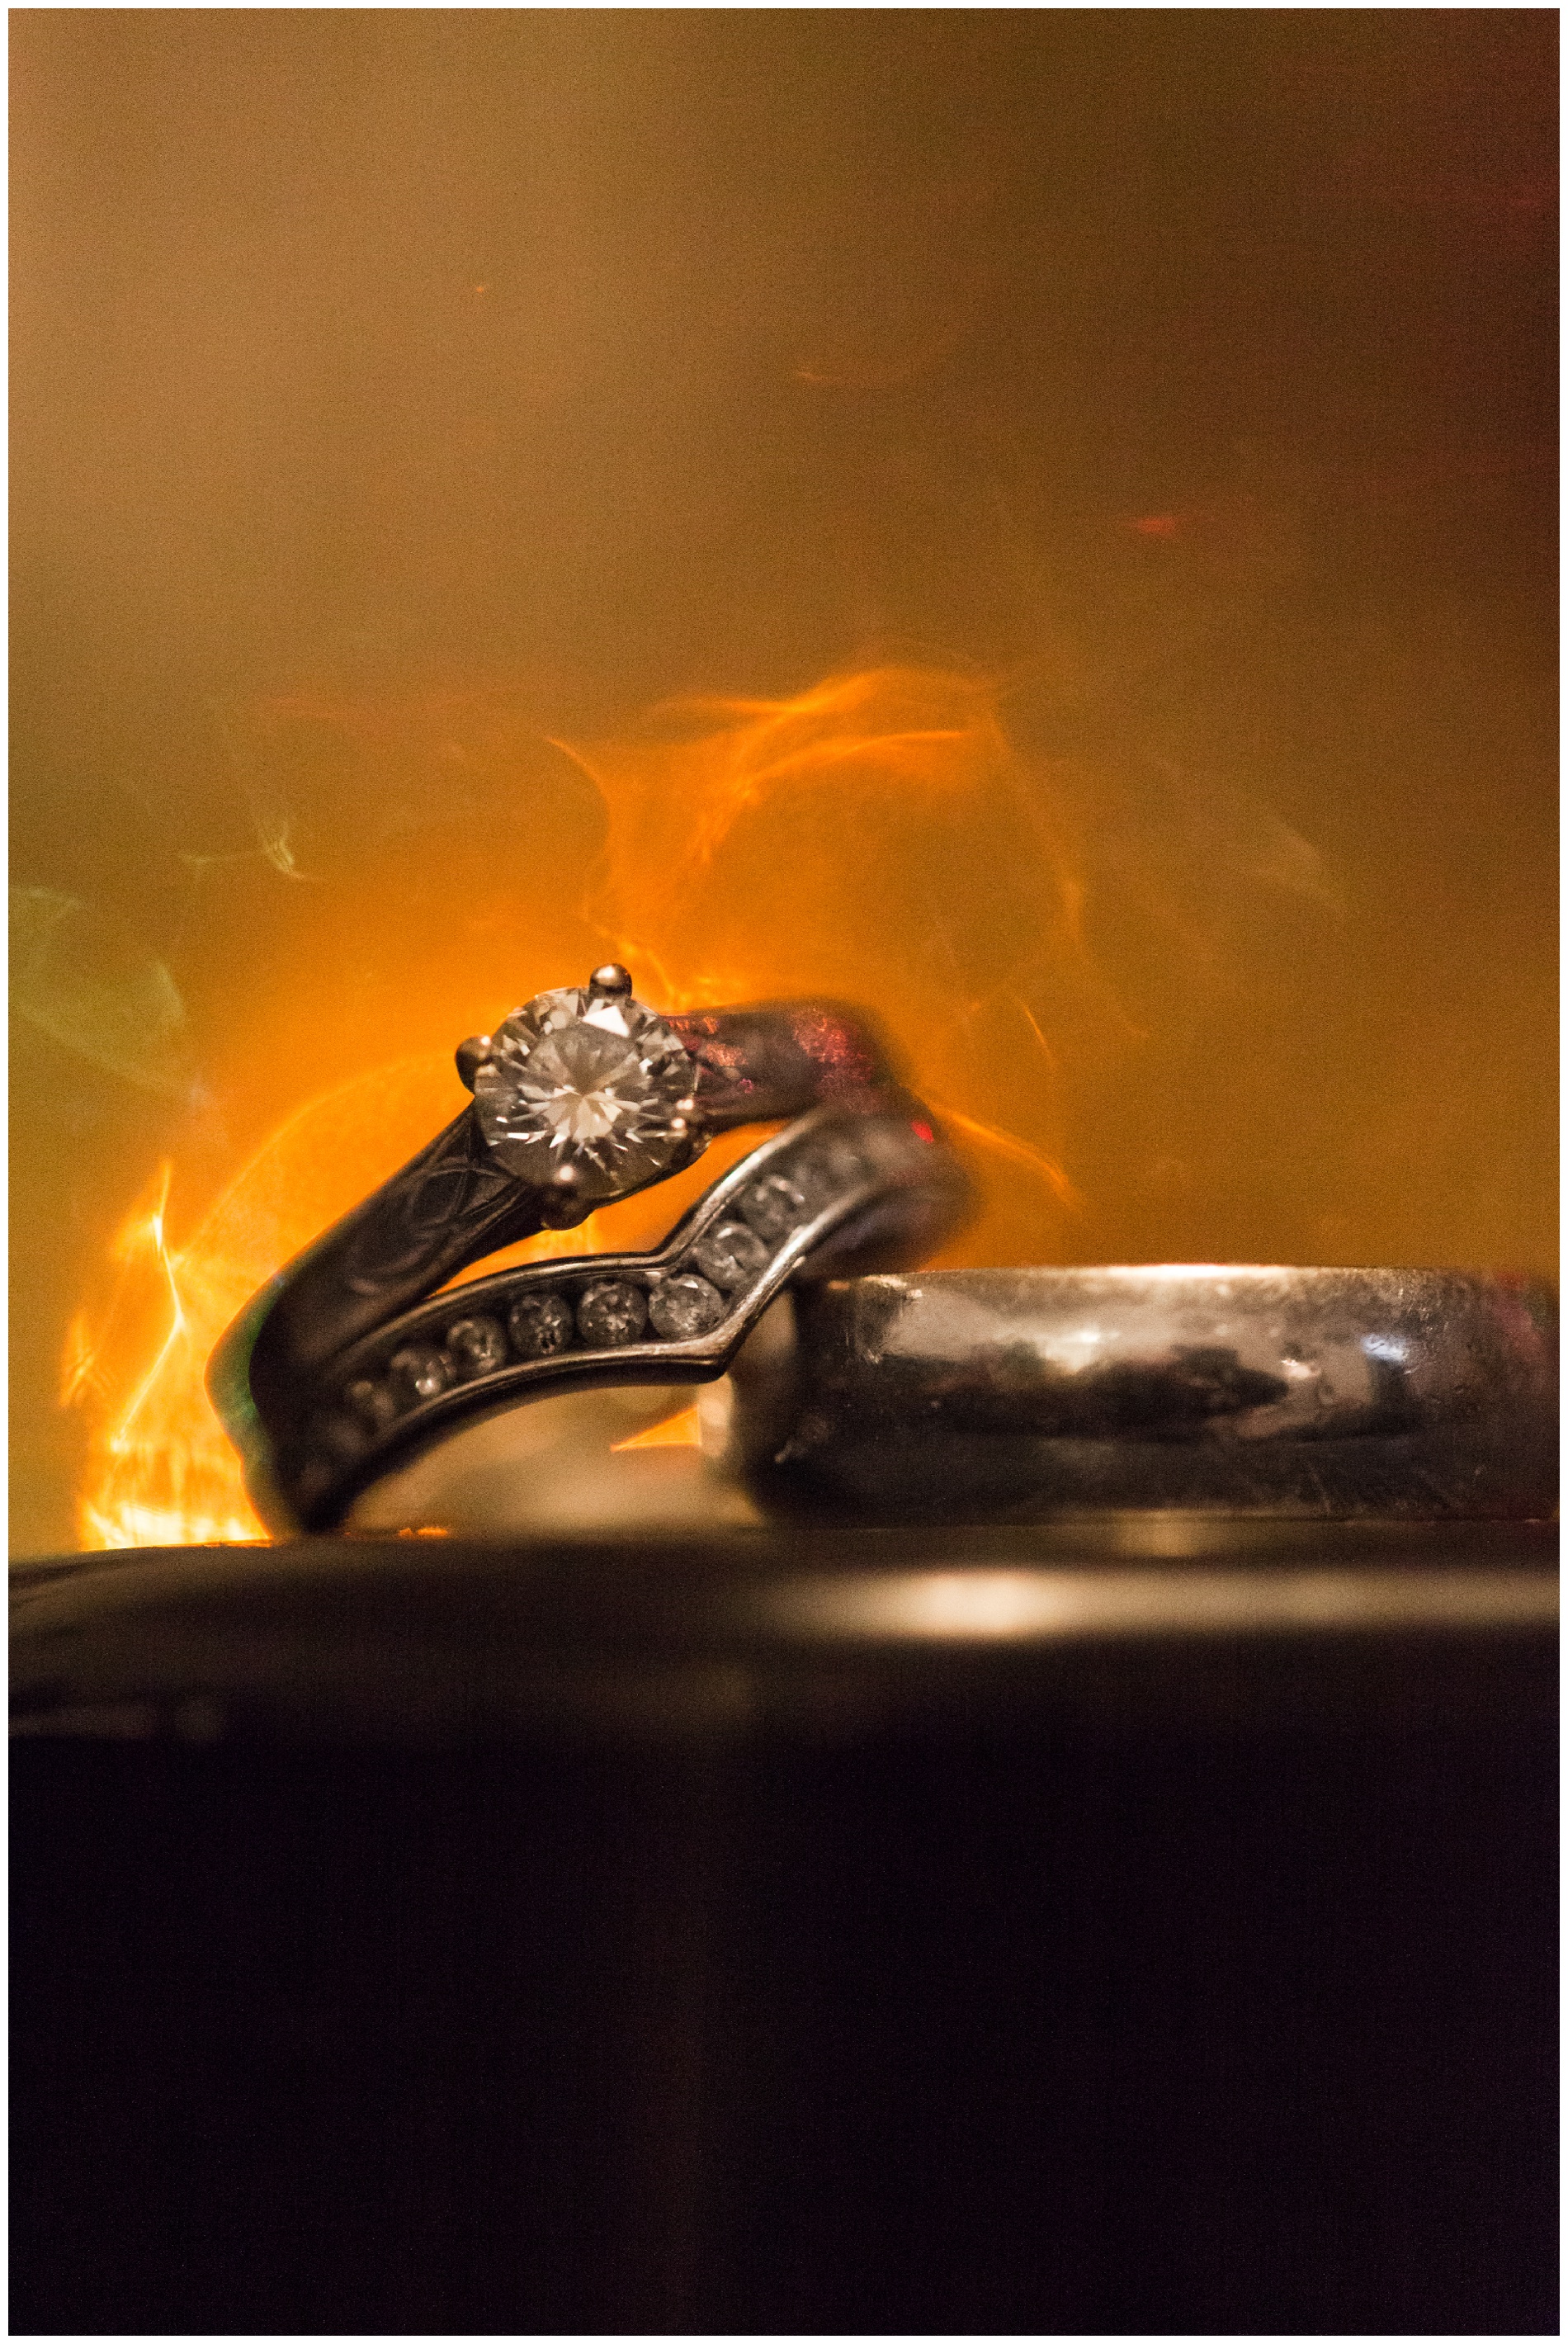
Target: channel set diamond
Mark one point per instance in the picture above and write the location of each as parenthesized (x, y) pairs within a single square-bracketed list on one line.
[(541, 1325), (611, 1313), (731, 1254), (683, 1307)]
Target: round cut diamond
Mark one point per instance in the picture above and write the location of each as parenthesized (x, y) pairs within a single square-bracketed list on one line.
[(824, 1171), (773, 1205), (372, 1404), (589, 1084), (541, 1325), (421, 1371), (475, 1346), (683, 1307), (611, 1313), (731, 1254)]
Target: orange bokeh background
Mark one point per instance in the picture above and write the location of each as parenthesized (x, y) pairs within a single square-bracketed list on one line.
[(1039, 521), (876, 838)]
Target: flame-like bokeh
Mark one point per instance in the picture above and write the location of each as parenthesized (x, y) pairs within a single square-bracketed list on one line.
[(879, 837), (1114, 449)]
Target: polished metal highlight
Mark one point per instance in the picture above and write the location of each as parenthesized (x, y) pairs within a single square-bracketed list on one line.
[(999, 1395), (975, 1606)]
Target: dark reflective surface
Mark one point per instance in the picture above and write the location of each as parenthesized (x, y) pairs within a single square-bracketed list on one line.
[(660, 1937)]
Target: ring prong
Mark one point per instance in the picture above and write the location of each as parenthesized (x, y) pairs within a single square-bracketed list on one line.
[(471, 1056), (612, 979)]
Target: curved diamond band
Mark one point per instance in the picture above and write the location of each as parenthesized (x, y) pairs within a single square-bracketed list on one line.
[(839, 1191), (568, 1114), (341, 1365)]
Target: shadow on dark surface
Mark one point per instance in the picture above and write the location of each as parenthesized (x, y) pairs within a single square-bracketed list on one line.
[(1098, 2014)]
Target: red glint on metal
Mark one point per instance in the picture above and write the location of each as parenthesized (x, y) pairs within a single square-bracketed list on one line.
[(836, 1047)]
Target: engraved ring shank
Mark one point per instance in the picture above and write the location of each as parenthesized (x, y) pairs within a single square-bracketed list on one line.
[(581, 1097), (456, 1201)]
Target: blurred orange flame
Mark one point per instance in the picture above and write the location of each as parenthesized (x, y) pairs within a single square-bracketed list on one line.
[(164, 1475), (877, 837)]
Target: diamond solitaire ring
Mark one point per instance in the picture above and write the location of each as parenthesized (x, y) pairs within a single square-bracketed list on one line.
[(344, 1364)]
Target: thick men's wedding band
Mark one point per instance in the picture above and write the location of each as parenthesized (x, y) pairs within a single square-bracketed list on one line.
[(1024, 1395), (840, 1189)]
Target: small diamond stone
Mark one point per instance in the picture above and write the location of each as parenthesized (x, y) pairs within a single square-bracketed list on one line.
[(589, 1084), (773, 1205), (475, 1346), (731, 1254), (685, 1306), (889, 1146), (372, 1404), (611, 1313), (540, 1323), (422, 1372), (823, 1172)]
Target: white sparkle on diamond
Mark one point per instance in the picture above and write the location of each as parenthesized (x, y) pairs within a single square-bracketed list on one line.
[(574, 1079)]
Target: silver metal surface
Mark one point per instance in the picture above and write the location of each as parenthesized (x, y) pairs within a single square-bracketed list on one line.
[(840, 1187), (1019, 1394)]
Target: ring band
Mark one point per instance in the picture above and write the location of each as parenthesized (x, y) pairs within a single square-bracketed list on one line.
[(840, 1190), (1020, 1395), (343, 1366), (457, 1200)]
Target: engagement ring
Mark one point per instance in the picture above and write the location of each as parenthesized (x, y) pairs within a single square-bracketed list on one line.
[(344, 1365)]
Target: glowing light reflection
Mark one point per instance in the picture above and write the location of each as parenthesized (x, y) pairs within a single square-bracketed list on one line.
[(1030, 1606)]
